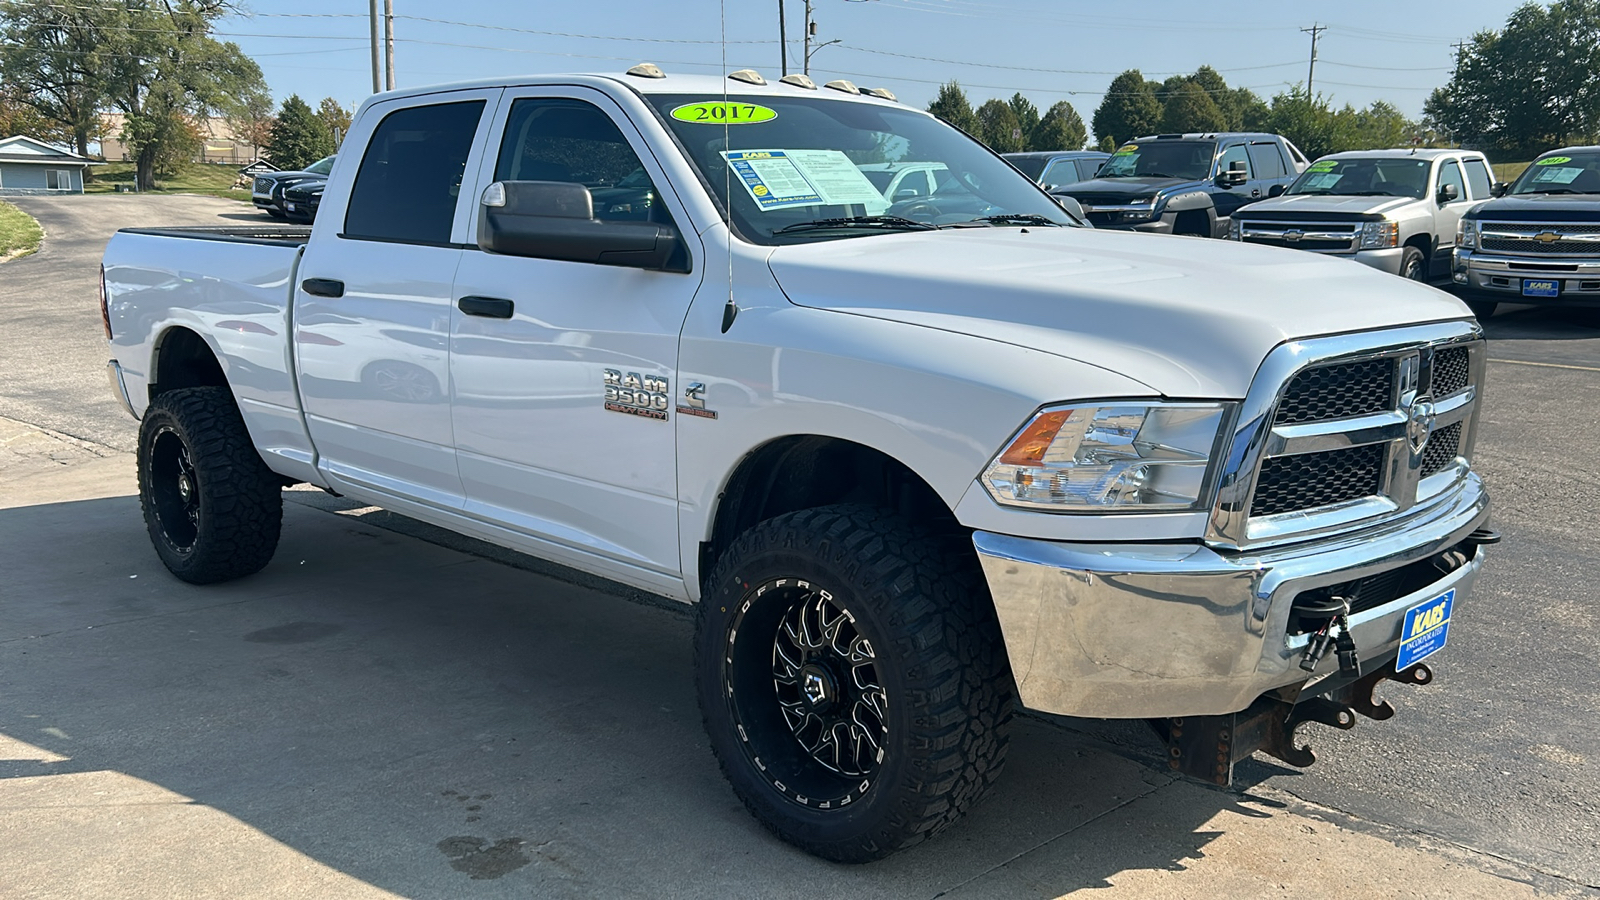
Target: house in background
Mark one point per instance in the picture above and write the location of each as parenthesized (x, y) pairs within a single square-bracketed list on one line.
[(31, 166)]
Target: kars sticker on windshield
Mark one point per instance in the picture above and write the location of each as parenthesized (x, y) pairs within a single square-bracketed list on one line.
[(723, 112), (776, 179), (1566, 175), (1553, 161)]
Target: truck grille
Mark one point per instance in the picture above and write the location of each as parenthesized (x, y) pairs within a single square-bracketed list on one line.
[(1318, 237), (263, 186), (1309, 480), (1521, 238), (1337, 392), (1344, 435)]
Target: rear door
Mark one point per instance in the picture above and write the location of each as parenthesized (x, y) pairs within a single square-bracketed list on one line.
[(551, 437), (1271, 169), (372, 309)]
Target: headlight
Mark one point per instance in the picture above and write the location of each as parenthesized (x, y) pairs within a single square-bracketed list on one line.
[(1467, 235), (1110, 457), (1235, 230), (1380, 235), (1145, 211)]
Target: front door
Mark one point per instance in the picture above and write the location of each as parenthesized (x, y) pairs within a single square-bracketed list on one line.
[(372, 309), (1228, 200), (1447, 213), (564, 398)]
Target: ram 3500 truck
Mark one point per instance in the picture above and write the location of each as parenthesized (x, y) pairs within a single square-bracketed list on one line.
[(917, 464)]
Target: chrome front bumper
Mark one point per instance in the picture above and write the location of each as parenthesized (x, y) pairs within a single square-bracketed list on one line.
[(1126, 631), (1503, 275)]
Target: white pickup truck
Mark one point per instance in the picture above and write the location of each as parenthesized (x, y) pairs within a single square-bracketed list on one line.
[(917, 463)]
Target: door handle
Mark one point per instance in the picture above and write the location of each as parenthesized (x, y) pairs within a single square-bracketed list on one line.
[(487, 307), (323, 287)]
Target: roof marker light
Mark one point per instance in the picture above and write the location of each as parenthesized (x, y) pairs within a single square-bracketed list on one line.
[(842, 85), (647, 70), (881, 94), (801, 81), (748, 76)]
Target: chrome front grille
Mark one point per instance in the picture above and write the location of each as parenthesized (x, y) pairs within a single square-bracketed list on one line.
[(1540, 239), (1342, 431), (1321, 237), (263, 186)]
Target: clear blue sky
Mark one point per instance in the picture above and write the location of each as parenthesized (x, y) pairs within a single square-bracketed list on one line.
[(1048, 49)]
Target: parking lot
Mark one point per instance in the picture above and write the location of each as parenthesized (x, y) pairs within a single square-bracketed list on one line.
[(388, 709)]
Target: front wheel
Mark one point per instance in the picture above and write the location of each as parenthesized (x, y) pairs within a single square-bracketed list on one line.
[(1413, 266), (853, 680), (212, 507)]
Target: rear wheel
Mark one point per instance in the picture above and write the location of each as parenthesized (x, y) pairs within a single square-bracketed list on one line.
[(1413, 266), (212, 507), (852, 679)]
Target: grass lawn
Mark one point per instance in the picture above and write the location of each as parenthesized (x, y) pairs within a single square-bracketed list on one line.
[(194, 178), (1508, 172), (19, 233)]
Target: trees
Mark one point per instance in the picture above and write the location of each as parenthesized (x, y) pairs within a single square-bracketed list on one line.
[(1533, 85), (998, 127), (335, 118), (162, 69), (51, 60), (1027, 117), (951, 105), (252, 121), (1129, 109), (1060, 129), (298, 137), (1190, 108)]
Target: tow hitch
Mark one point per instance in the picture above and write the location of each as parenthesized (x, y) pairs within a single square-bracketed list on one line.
[(1207, 747)]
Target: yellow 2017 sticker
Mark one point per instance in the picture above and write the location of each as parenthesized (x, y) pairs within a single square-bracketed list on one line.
[(1326, 165), (1554, 161), (1127, 148), (723, 112)]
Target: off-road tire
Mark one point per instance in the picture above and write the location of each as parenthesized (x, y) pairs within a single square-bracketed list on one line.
[(920, 598), (224, 524), (1413, 265)]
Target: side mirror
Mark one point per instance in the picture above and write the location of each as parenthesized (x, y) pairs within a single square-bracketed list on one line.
[(1276, 190), (906, 194), (1449, 192), (1499, 189), (1234, 176), (555, 220), (1072, 206)]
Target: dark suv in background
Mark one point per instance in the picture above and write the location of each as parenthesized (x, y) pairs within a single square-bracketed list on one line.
[(1186, 183), (266, 191)]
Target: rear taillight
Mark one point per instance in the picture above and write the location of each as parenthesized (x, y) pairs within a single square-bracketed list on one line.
[(105, 308)]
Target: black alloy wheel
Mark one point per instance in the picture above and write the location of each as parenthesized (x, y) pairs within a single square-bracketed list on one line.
[(852, 679), (212, 507)]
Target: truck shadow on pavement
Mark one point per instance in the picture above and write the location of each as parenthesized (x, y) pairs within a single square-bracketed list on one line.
[(377, 709)]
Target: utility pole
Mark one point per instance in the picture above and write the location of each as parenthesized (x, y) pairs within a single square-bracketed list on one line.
[(783, 41), (377, 39), (1315, 30), (811, 32), (388, 43)]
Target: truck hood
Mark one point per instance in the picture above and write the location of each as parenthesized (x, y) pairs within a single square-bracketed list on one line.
[(1325, 206), (1188, 317), (1124, 190), (1540, 208)]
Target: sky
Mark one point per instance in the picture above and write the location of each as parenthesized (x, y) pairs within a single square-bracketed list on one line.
[(1049, 50)]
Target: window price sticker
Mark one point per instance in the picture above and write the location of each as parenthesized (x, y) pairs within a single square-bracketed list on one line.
[(776, 179)]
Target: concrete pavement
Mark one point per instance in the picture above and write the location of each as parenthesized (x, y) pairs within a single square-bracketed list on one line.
[(376, 715)]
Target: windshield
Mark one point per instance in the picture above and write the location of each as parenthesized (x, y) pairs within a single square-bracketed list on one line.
[(321, 167), (1161, 159), (799, 161), (1567, 172), (1365, 177)]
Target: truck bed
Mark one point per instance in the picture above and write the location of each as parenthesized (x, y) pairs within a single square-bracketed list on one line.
[(274, 234)]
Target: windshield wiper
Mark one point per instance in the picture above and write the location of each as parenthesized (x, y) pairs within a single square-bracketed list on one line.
[(1555, 191), (883, 223), (1016, 219), (1157, 175)]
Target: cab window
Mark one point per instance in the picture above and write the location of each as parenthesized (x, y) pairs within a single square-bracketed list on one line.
[(1236, 153), (1450, 173), (410, 177), (1267, 160), (1478, 177), (557, 139)]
